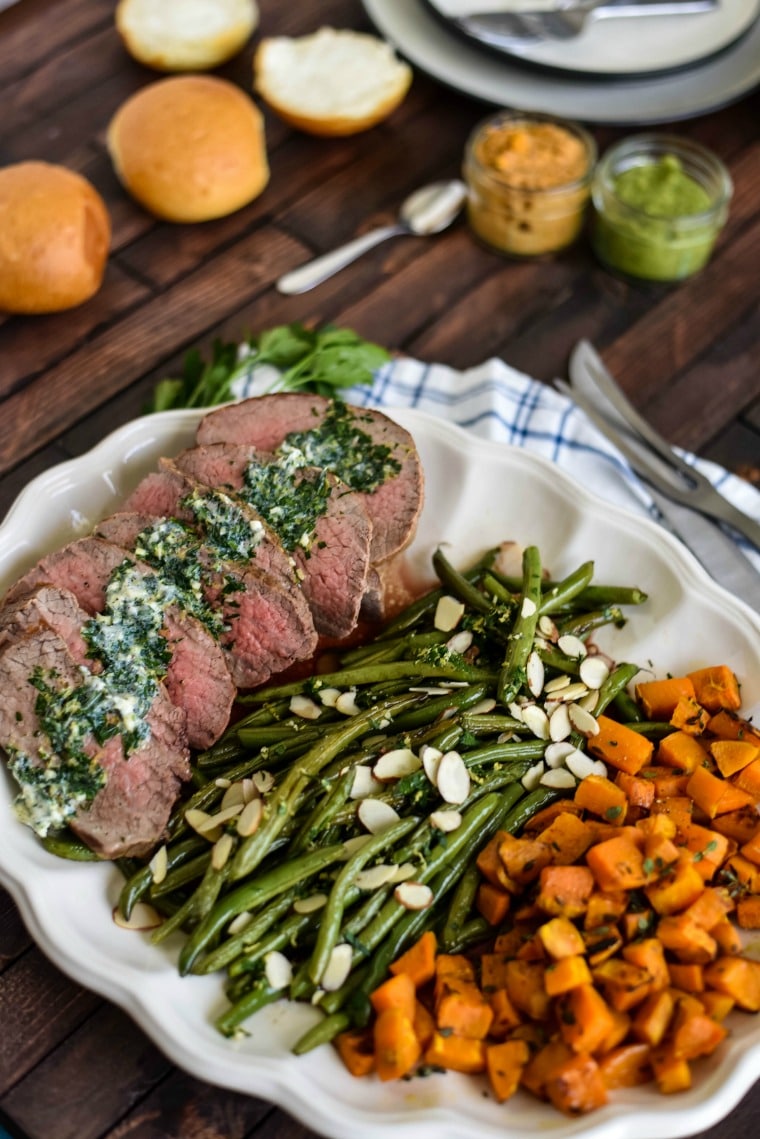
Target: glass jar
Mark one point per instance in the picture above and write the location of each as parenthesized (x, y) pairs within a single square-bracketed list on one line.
[(528, 177), (659, 203)]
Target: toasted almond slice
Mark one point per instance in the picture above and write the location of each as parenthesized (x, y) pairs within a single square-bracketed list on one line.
[(600, 768), (375, 876), (509, 559), (364, 783), (239, 922), (430, 757), (413, 895), (532, 776), (222, 782), (197, 819), (311, 904), (460, 642), (248, 823), (448, 613), (404, 872), (548, 628), (220, 818), (574, 691), (396, 764), (346, 704), (557, 683), (516, 710), (337, 968), (143, 916), (250, 790), (159, 865), (556, 753), (221, 850), (534, 672), (483, 707), (376, 815), (263, 781), (590, 700), (453, 778), (428, 690), (305, 707), (233, 795), (329, 696), (582, 720), (594, 671), (351, 845), (571, 646), (278, 970), (580, 764), (536, 720), (446, 821), (559, 778), (528, 607)]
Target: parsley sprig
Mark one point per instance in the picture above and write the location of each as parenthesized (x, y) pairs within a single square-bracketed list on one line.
[(318, 360)]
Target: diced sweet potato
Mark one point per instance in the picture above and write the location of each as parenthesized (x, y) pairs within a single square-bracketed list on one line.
[(619, 746)]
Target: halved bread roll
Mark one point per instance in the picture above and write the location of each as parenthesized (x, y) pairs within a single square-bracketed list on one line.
[(333, 82), (185, 35)]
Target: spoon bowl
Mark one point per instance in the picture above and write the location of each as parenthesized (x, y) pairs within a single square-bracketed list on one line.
[(428, 210)]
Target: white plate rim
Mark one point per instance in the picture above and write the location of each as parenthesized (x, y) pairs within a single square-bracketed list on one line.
[(427, 44), (40, 883)]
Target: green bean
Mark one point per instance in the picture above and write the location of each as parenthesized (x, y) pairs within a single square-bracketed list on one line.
[(258, 997), (238, 943), (405, 646), (583, 624), (591, 597), (66, 846), (186, 872), (140, 881), (553, 658), (473, 931), (329, 927), (377, 673), (322, 1033), (495, 589), (459, 585), (653, 729), (426, 605), (324, 811), (561, 592), (195, 908), (510, 752), (626, 707), (460, 906), (520, 642), (490, 723), (279, 938), (617, 681), (435, 706)]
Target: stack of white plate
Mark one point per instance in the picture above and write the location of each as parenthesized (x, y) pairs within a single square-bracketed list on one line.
[(641, 69)]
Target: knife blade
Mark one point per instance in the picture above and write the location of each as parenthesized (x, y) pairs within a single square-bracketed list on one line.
[(713, 549)]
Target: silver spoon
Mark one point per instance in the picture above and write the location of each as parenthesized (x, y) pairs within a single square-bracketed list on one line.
[(428, 210)]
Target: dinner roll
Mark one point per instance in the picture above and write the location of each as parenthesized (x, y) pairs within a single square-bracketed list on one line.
[(54, 236), (190, 148), (185, 35), (331, 82)]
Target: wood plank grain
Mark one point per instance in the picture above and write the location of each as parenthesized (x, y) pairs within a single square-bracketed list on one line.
[(39, 1008), (14, 939), (30, 36), (108, 362), (103, 1069)]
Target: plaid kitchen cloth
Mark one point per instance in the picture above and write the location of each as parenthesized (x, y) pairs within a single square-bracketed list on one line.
[(495, 401)]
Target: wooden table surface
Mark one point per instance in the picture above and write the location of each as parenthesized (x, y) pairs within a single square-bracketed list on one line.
[(71, 1065)]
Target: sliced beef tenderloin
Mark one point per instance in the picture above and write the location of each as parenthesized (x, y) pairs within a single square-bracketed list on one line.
[(128, 815), (263, 627), (46, 607), (363, 436), (198, 679), (333, 567)]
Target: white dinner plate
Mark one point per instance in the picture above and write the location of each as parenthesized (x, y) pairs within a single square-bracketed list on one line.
[(477, 494), (422, 38), (615, 46)]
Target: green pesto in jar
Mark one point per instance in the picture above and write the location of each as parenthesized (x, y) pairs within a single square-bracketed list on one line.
[(651, 224)]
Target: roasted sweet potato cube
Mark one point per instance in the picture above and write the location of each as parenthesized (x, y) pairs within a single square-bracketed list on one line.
[(648, 954), (716, 796), (689, 716), (605, 907), (526, 989), (542, 1063), (492, 902), (726, 725), (681, 885), (585, 1019), (568, 838), (505, 1064), (624, 985), (748, 780), (523, 858), (565, 974), (601, 797), (456, 1053), (716, 687), (658, 698), (681, 751), (733, 755), (577, 1086), (565, 890), (560, 938), (671, 1072), (505, 1015), (688, 941), (738, 979), (617, 864), (619, 746), (697, 1035), (626, 1066)]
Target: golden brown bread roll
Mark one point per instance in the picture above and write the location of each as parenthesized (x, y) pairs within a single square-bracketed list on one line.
[(190, 148), (185, 35), (333, 82), (54, 236)]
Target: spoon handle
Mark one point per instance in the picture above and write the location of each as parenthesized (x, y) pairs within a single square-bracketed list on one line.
[(314, 272)]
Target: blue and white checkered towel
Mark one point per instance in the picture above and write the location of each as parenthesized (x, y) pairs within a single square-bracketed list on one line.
[(497, 402)]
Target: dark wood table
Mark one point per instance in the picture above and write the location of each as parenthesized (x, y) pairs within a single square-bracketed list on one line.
[(72, 1066)]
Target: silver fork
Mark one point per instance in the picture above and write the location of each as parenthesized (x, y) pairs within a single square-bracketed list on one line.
[(672, 476), (569, 17)]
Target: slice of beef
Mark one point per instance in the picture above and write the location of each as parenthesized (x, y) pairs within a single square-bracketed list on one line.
[(334, 569), (267, 626), (198, 679), (266, 421), (47, 607), (128, 816)]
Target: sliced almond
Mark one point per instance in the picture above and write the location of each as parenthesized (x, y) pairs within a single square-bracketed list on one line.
[(278, 970), (590, 700), (351, 845), (159, 865), (197, 819), (483, 707), (250, 790), (556, 753), (571, 646), (430, 757), (448, 613), (396, 764), (527, 607), (580, 764), (249, 820), (594, 671), (305, 707), (338, 968), (548, 628), (221, 850), (516, 711), (239, 923), (509, 559), (536, 720), (557, 683), (453, 778), (364, 783), (233, 796), (263, 781), (375, 876), (559, 778), (222, 782), (532, 776), (346, 704), (460, 642), (574, 691), (376, 815), (143, 916), (404, 872), (413, 895), (582, 720), (534, 672), (329, 696), (311, 904), (446, 821)]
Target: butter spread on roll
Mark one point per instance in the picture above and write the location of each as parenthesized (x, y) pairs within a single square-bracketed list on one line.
[(333, 82), (190, 148), (55, 232), (185, 35)]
